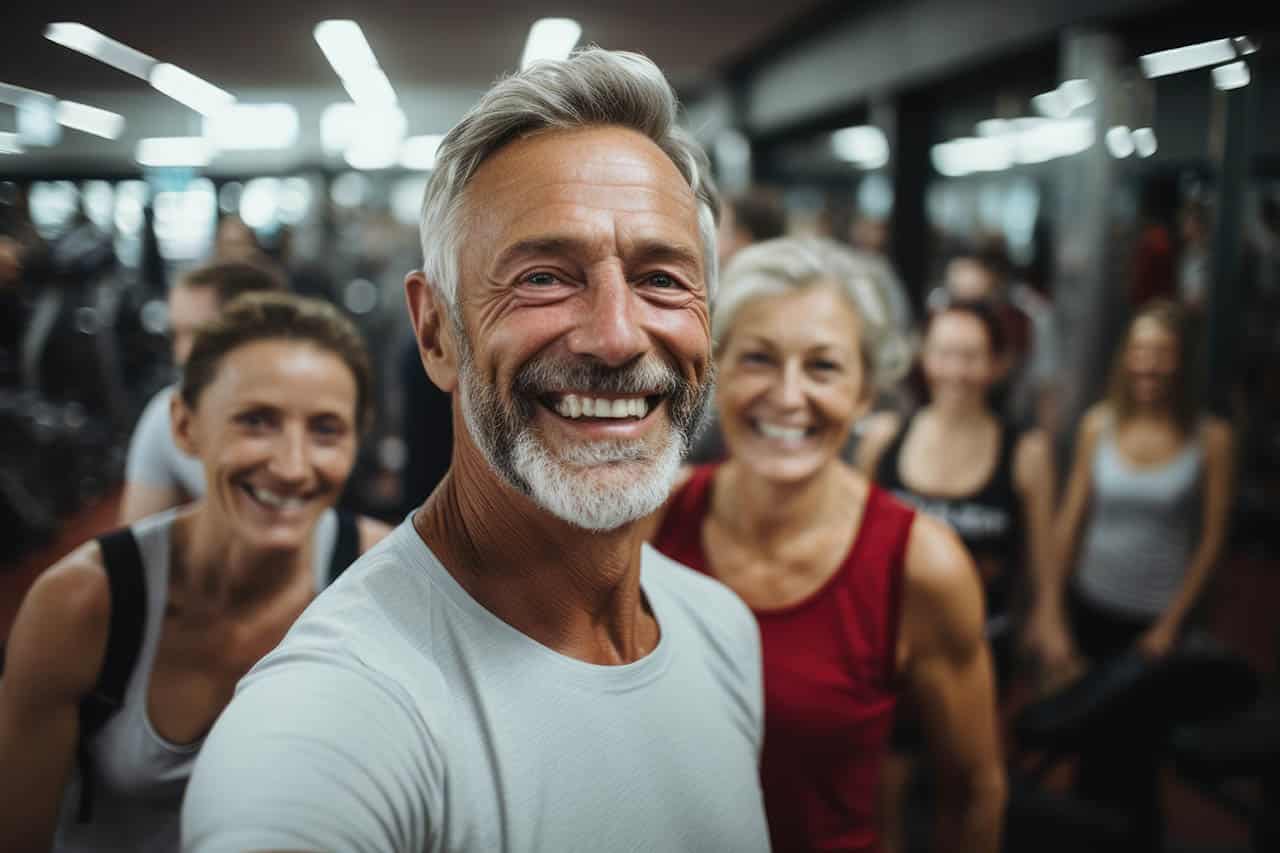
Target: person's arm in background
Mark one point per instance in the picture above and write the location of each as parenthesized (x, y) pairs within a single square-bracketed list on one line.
[(948, 670), (52, 660), (1048, 635), (1219, 478), (149, 486)]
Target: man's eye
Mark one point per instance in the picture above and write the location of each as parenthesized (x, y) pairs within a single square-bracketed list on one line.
[(662, 281), (540, 278)]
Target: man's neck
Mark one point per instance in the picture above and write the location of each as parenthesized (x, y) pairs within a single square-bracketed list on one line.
[(574, 591)]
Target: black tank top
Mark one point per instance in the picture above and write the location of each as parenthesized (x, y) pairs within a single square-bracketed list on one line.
[(989, 520)]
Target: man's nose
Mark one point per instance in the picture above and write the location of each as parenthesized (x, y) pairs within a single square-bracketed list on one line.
[(609, 328)]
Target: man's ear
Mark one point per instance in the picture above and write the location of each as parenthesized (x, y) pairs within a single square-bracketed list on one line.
[(182, 422), (433, 330)]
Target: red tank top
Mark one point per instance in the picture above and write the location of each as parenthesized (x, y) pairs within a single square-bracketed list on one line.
[(829, 679)]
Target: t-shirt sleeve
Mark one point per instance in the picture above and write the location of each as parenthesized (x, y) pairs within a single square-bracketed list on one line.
[(315, 754), (754, 671), (150, 446)]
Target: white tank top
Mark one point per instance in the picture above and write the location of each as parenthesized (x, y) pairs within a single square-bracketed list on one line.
[(1144, 523), (139, 777)]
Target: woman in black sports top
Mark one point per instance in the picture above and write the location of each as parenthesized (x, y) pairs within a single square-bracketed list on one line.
[(125, 652), (956, 459)]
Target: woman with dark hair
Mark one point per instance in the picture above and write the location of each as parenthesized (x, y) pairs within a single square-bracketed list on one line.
[(1143, 521), (959, 461), (125, 652)]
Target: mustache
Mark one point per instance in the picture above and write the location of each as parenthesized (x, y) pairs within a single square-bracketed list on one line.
[(554, 374)]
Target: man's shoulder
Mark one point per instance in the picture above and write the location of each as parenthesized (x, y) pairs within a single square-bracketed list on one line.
[(705, 601)]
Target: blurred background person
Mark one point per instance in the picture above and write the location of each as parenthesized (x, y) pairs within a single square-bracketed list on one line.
[(1142, 527), (1193, 256), (992, 482), (158, 475), (271, 405), (859, 598), (750, 217)]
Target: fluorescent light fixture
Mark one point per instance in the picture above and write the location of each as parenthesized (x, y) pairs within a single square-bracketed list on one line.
[(15, 95), (864, 146), (971, 154), (252, 126), (173, 151), (371, 156), (89, 119), (1232, 76), (344, 45), (419, 152), (1244, 45), (9, 143), (106, 50), (1179, 59), (38, 121), (1038, 141), (1051, 104), (1144, 141), (993, 127), (376, 143), (343, 125), (1077, 93), (189, 90), (1120, 141), (370, 87), (550, 38)]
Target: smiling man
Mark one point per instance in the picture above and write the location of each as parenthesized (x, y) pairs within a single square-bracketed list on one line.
[(511, 669)]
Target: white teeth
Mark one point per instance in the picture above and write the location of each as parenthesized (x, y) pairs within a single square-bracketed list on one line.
[(573, 406), (781, 432), (271, 499)]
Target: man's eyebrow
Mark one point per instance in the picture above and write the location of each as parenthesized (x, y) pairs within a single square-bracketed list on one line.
[(644, 251), (654, 251), (536, 246)]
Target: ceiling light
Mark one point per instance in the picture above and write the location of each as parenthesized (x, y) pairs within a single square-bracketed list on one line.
[(252, 126), (188, 89), (1077, 93), (344, 45), (1144, 141), (106, 50), (89, 119), (419, 152), (38, 120), (864, 146), (1232, 76), (971, 154), (9, 143), (1179, 59), (158, 151), (993, 127), (1120, 141), (1051, 104), (550, 38)]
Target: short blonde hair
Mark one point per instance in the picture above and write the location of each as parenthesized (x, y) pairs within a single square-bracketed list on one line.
[(797, 263)]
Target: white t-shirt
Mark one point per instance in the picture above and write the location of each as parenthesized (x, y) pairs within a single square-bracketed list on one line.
[(154, 459), (401, 715)]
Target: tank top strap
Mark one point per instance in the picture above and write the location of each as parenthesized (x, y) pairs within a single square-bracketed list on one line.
[(871, 585)]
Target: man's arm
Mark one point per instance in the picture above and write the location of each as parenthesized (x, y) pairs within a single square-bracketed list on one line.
[(948, 670), (52, 660), (315, 753)]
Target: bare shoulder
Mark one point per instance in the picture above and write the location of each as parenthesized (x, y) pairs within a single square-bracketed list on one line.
[(943, 592), (876, 431), (371, 531), (1032, 456), (1093, 422), (1218, 435), (60, 633)]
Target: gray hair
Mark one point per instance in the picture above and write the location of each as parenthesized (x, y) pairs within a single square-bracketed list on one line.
[(797, 263), (593, 87)]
